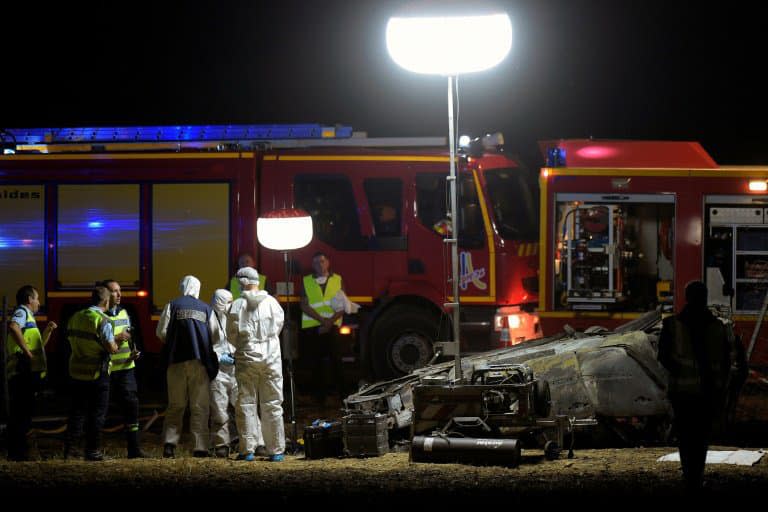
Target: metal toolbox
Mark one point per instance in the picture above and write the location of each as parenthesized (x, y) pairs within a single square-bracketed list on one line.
[(365, 435)]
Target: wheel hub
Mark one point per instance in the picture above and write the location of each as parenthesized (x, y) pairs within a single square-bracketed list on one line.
[(411, 351)]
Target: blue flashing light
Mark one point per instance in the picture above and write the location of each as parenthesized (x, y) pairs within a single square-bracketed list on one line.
[(556, 157), (20, 243), (95, 224)]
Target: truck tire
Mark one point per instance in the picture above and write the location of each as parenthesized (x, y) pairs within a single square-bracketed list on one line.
[(542, 399), (402, 340)]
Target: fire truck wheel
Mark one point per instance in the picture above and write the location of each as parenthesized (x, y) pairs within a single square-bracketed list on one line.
[(542, 399), (402, 340)]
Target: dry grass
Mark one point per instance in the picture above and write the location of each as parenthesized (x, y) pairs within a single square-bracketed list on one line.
[(591, 473), (385, 482)]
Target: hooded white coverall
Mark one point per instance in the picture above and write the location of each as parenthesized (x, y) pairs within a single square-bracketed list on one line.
[(254, 324), (187, 381), (224, 386)]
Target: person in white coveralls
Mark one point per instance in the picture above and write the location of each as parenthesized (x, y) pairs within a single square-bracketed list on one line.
[(254, 323)]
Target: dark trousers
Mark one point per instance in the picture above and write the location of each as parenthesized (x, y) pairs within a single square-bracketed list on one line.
[(323, 355), (125, 393), (22, 389), (90, 400), (693, 425)]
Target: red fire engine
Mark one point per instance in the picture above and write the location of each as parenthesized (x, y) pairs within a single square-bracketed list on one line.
[(626, 224), (148, 205)]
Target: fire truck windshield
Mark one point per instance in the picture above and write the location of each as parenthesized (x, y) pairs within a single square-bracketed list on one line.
[(512, 202)]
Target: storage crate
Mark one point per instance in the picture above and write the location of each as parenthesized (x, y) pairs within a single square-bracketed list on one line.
[(365, 435)]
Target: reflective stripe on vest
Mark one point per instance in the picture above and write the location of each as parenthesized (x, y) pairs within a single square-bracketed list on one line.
[(319, 301), (120, 359), (234, 286), (34, 341), (88, 354)]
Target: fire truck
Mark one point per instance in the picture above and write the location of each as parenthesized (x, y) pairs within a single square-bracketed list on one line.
[(147, 205), (625, 225)]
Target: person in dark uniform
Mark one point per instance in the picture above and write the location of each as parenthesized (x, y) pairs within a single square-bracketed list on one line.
[(694, 347), (26, 367)]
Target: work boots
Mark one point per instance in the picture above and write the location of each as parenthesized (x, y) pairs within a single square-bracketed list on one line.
[(169, 451), (222, 451), (134, 450), (94, 455), (72, 449)]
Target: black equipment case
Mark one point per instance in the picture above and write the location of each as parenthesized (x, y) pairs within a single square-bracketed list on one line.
[(323, 439)]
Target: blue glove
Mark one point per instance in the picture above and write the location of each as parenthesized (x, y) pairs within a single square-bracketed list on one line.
[(226, 359)]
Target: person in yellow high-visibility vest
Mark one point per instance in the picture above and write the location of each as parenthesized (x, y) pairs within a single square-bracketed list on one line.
[(319, 326), (25, 368), (245, 260), (93, 342), (123, 377)]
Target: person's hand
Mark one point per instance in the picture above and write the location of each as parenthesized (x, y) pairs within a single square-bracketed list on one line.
[(227, 359), (123, 336), (135, 354), (51, 326)]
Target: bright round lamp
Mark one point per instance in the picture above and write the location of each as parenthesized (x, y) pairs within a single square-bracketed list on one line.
[(284, 230), (449, 45)]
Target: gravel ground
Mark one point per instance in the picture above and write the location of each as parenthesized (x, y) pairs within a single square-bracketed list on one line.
[(593, 476)]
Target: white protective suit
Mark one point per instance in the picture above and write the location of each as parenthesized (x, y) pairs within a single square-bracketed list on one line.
[(187, 382), (254, 324), (224, 386)]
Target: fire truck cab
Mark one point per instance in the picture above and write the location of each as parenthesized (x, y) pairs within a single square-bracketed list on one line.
[(379, 213)]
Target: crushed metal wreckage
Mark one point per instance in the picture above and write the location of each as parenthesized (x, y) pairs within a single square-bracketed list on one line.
[(608, 385)]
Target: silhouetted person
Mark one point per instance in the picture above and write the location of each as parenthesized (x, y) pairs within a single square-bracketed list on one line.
[(695, 348)]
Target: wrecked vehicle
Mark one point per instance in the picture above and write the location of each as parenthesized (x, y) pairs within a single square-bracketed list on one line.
[(609, 384), (487, 418)]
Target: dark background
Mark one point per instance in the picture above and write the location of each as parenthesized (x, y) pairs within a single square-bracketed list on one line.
[(621, 69)]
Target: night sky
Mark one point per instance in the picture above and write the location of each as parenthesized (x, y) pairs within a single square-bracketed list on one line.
[(609, 69)]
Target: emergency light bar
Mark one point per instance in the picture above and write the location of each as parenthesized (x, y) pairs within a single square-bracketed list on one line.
[(178, 133)]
